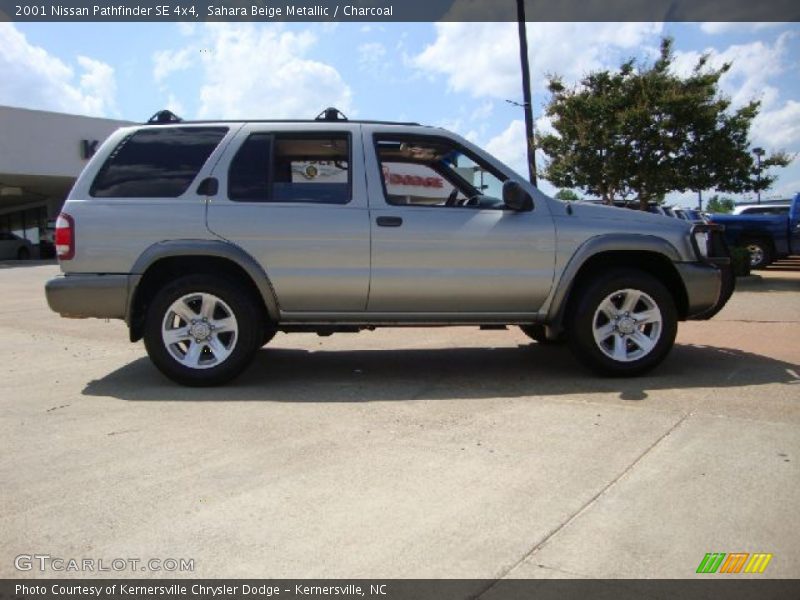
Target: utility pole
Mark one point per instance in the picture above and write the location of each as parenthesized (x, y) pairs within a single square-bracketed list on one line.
[(759, 152), (526, 91)]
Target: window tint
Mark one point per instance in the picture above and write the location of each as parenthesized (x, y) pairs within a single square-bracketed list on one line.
[(311, 169), (156, 162), (435, 172), (248, 178)]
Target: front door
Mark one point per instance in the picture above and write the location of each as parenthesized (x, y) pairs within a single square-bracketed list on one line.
[(442, 240)]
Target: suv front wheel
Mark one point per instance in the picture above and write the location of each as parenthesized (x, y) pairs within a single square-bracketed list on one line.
[(202, 330), (624, 323)]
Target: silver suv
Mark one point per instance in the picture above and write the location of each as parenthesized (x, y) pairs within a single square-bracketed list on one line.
[(207, 238)]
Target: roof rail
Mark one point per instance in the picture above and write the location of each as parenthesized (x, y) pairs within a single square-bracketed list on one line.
[(164, 117)]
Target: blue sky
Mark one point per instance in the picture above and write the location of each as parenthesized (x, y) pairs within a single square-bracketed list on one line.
[(456, 75)]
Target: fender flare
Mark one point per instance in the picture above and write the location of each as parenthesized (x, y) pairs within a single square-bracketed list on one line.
[(556, 304), (215, 248)]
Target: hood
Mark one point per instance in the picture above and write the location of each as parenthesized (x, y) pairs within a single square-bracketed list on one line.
[(616, 214)]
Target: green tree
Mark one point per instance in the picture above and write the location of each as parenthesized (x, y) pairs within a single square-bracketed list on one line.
[(645, 131), (717, 204), (759, 179), (586, 153), (566, 195)]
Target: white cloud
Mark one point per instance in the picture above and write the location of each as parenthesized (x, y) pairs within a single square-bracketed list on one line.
[(482, 59), (259, 72), (175, 105), (371, 56), (778, 129), (30, 77), (484, 111), (509, 146), (753, 66), (719, 27), (167, 62), (187, 29), (98, 84)]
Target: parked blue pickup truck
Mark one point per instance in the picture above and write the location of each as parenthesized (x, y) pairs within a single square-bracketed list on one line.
[(767, 237)]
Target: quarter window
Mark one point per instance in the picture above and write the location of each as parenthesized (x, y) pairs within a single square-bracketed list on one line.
[(156, 162)]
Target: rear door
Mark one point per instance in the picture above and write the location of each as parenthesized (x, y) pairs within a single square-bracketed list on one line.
[(294, 198)]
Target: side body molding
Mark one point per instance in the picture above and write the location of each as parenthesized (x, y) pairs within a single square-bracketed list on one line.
[(199, 248), (616, 242)]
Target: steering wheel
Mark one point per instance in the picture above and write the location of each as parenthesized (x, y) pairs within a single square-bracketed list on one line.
[(451, 199)]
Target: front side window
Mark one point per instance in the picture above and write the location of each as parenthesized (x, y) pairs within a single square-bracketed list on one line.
[(436, 173), (156, 162)]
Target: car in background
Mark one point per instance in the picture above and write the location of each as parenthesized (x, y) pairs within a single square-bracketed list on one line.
[(688, 214), (657, 209), (766, 236), (762, 209), (13, 247)]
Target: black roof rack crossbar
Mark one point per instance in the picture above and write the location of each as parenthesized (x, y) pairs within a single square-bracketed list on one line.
[(163, 117)]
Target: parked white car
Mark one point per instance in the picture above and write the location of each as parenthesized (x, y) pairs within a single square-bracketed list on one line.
[(13, 247)]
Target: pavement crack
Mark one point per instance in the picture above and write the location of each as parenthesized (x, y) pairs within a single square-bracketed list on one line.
[(767, 322), (586, 506)]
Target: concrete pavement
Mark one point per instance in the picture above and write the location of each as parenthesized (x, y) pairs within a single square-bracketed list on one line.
[(404, 453)]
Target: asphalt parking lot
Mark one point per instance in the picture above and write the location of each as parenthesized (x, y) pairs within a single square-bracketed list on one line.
[(440, 453)]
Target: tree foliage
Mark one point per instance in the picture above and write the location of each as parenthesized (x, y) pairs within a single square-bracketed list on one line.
[(566, 195), (717, 204), (645, 131)]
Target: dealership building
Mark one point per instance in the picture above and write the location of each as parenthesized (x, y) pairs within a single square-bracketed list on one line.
[(41, 155)]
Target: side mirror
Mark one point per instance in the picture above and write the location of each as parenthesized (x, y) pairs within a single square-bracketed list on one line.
[(515, 197)]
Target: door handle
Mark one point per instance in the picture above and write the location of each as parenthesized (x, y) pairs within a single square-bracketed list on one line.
[(389, 221)]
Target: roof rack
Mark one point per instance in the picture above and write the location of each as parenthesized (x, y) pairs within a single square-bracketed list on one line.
[(163, 117), (331, 114)]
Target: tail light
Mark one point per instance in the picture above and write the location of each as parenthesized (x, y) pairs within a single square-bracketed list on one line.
[(65, 237)]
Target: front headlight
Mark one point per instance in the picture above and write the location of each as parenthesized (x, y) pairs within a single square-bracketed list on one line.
[(701, 241)]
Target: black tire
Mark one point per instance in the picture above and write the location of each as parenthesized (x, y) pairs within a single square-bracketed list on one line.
[(23, 253), (760, 253), (247, 340), (537, 334), (269, 333), (585, 314)]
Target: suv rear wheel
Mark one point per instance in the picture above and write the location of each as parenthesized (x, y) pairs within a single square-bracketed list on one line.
[(624, 323), (202, 330)]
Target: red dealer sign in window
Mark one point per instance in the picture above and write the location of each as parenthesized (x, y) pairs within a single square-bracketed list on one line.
[(411, 179)]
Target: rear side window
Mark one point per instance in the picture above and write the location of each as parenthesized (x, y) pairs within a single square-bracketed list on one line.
[(312, 169), (299, 168), (156, 162)]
